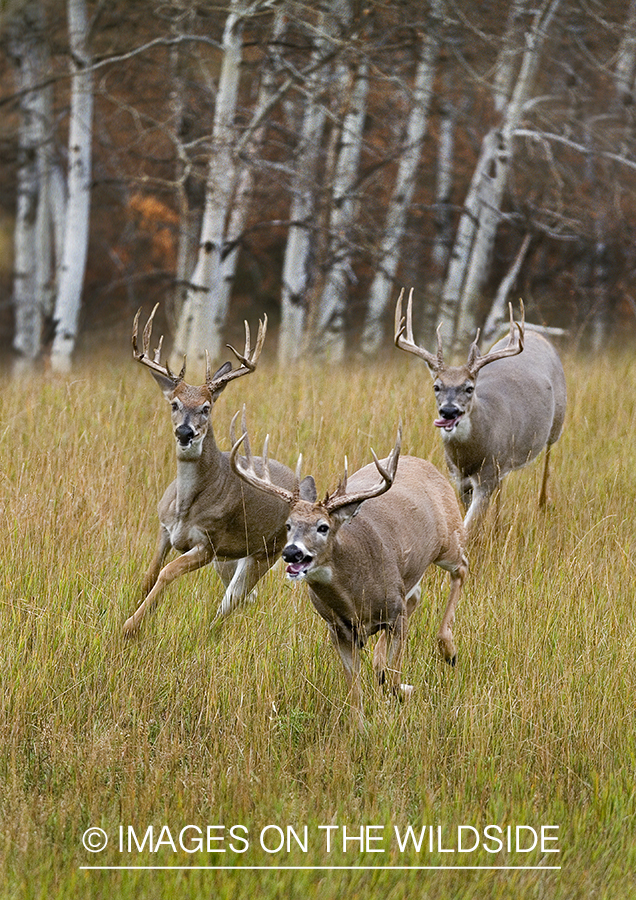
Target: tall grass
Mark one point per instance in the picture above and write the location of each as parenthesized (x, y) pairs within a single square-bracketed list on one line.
[(248, 725)]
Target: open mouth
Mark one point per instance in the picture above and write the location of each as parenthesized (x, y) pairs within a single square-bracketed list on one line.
[(298, 569), (447, 424)]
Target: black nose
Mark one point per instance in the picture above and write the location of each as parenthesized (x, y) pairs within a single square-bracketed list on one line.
[(449, 412), (184, 434), (293, 554)]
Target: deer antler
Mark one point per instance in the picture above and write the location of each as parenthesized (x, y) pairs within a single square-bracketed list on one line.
[(247, 359), (476, 362), (404, 335), (246, 469), (340, 497), (143, 355)]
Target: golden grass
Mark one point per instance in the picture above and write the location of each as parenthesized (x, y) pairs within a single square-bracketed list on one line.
[(248, 725)]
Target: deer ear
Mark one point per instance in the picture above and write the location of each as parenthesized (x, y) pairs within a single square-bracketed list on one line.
[(348, 511), (308, 489), (220, 372), (166, 384)]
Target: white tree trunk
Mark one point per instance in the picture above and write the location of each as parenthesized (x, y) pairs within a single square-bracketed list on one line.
[(388, 258), (251, 144), (497, 315), (471, 257), (625, 69), (505, 65), (202, 317), (32, 234), (331, 312), (296, 263), (73, 264)]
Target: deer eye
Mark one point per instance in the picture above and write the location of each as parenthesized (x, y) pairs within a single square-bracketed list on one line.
[(206, 410), (469, 388), (323, 528), (437, 388), (174, 406)]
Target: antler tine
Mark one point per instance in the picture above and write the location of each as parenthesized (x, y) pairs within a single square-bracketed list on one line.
[(246, 469), (245, 437), (143, 356), (248, 359), (513, 347), (387, 472), (404, 335)]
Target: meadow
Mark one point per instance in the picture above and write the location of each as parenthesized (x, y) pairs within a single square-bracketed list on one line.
[(231, 747)]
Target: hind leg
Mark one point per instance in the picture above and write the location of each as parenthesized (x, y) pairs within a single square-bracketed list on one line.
[(543, 495), (445, 642)]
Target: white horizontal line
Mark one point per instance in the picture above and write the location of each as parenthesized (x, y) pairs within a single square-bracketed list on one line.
[(325, 868)]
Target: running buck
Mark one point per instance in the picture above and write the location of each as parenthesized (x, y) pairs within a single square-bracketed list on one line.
[(363, 551), (208, 514), (498, 421)]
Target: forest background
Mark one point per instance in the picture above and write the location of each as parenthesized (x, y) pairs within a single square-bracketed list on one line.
[(307, 161)]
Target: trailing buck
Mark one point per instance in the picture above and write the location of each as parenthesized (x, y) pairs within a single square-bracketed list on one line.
[(363, 551), (208, 514), (498, 421)]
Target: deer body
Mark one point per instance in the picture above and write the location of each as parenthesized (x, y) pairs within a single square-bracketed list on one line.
[(363, 552), (361, 580), (497, 412), (208, 514)]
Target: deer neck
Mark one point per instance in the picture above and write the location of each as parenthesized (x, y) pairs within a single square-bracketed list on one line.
[(194, 475)]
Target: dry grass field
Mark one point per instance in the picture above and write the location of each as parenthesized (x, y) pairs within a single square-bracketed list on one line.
[(232, 747)]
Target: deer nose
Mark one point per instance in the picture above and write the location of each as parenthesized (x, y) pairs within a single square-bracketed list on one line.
[(293, 554), (449, 412), (184, 434)]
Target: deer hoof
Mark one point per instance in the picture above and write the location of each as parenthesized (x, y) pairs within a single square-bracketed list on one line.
[(406, 691)]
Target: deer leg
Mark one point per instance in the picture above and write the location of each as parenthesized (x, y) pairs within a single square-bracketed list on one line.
[(543, 495), (161, 551), (247, 573), (445, 635), (188, 562), (478, 506), (349, 655), (384, 641), (395, 644), (379, 658)]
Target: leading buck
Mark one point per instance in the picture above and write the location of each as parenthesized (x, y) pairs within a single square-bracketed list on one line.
[(500, 421), (208, 514), (363, 551)]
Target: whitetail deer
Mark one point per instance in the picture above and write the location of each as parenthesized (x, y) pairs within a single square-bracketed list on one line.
[(209, 514), (363, 551), (500, 421)]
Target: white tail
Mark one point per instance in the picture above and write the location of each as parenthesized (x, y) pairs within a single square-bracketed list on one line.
[(500, 421), (363, 551), (208, 514)]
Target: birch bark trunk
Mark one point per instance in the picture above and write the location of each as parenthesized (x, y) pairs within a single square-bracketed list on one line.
[(73, 264), (250, 146), (332, 308), (32, 233), (625, 69), (388, 258), (204, 310), (472, 252)]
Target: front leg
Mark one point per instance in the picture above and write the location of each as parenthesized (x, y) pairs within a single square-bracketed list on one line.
[(481, 495), (161, 551), (194, 559), (349, 654), (395, 644)]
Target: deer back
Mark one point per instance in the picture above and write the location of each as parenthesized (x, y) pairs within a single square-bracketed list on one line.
[(519, 405), (393, 538)]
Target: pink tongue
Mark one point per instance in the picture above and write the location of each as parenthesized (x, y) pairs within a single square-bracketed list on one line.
[(444, 423), (294, 569)]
